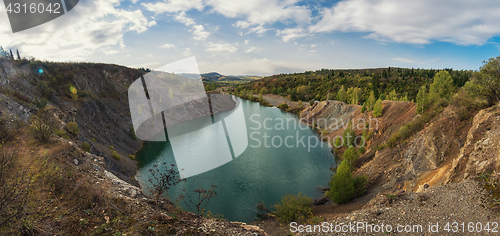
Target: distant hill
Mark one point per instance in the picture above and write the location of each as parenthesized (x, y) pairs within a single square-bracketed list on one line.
[(214, 77)]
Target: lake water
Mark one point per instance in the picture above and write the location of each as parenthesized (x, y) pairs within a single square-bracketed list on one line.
[(262, 173)]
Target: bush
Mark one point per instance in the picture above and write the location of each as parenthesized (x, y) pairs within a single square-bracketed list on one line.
[(361, 150), (42, 125), (44, 89), (296, 208), (40, 104), (72, 128), (86, 146), (284, 106), (116, 155), (61, 133)]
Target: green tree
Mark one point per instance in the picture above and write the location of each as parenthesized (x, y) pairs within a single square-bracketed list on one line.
[(377, 109), (371, 101), (342, 94), (341, 184), (263, 90), (350, 155), (485, 83), (442, 86), (422, 99), (393, 95), (274, 90)]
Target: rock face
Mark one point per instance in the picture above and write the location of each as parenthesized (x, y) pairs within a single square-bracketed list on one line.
[(101, 112), (446, 150), (481, 152)]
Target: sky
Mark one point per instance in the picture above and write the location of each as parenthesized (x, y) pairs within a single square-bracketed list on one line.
[(265, 37)]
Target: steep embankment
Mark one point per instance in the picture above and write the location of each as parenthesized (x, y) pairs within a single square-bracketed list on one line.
[(74, 192), (447, 150)]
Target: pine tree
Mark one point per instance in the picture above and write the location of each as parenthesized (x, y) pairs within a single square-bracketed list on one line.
[(11, 54), (18, 56), (342, 184)]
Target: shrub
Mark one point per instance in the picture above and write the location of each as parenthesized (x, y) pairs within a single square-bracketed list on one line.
[(116, 155), (359, 185), (284, 106), (61, 133), (296, 208), (72, 128), (338, 142), (40, 104), (131, 156), (44, 89), (361, 150), (42, 125), (74, 93), (86, 146)]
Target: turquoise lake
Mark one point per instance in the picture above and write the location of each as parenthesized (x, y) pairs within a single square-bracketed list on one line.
[(262, 173)]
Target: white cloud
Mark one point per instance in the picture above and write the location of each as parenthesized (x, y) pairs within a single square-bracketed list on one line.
[(260, 12), (313, 45), (186, 52), (255, 14), (168, 45), (291, 34), (221, 47), (252, 49), (418, 22), (181, 17), (199, 32), (247, 41), (88, 28), (174, 6)]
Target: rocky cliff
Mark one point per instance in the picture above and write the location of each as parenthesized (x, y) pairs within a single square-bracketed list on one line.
[(446, 150)]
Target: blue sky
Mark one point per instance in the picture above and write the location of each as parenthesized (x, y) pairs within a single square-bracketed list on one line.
[(264, 37)]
